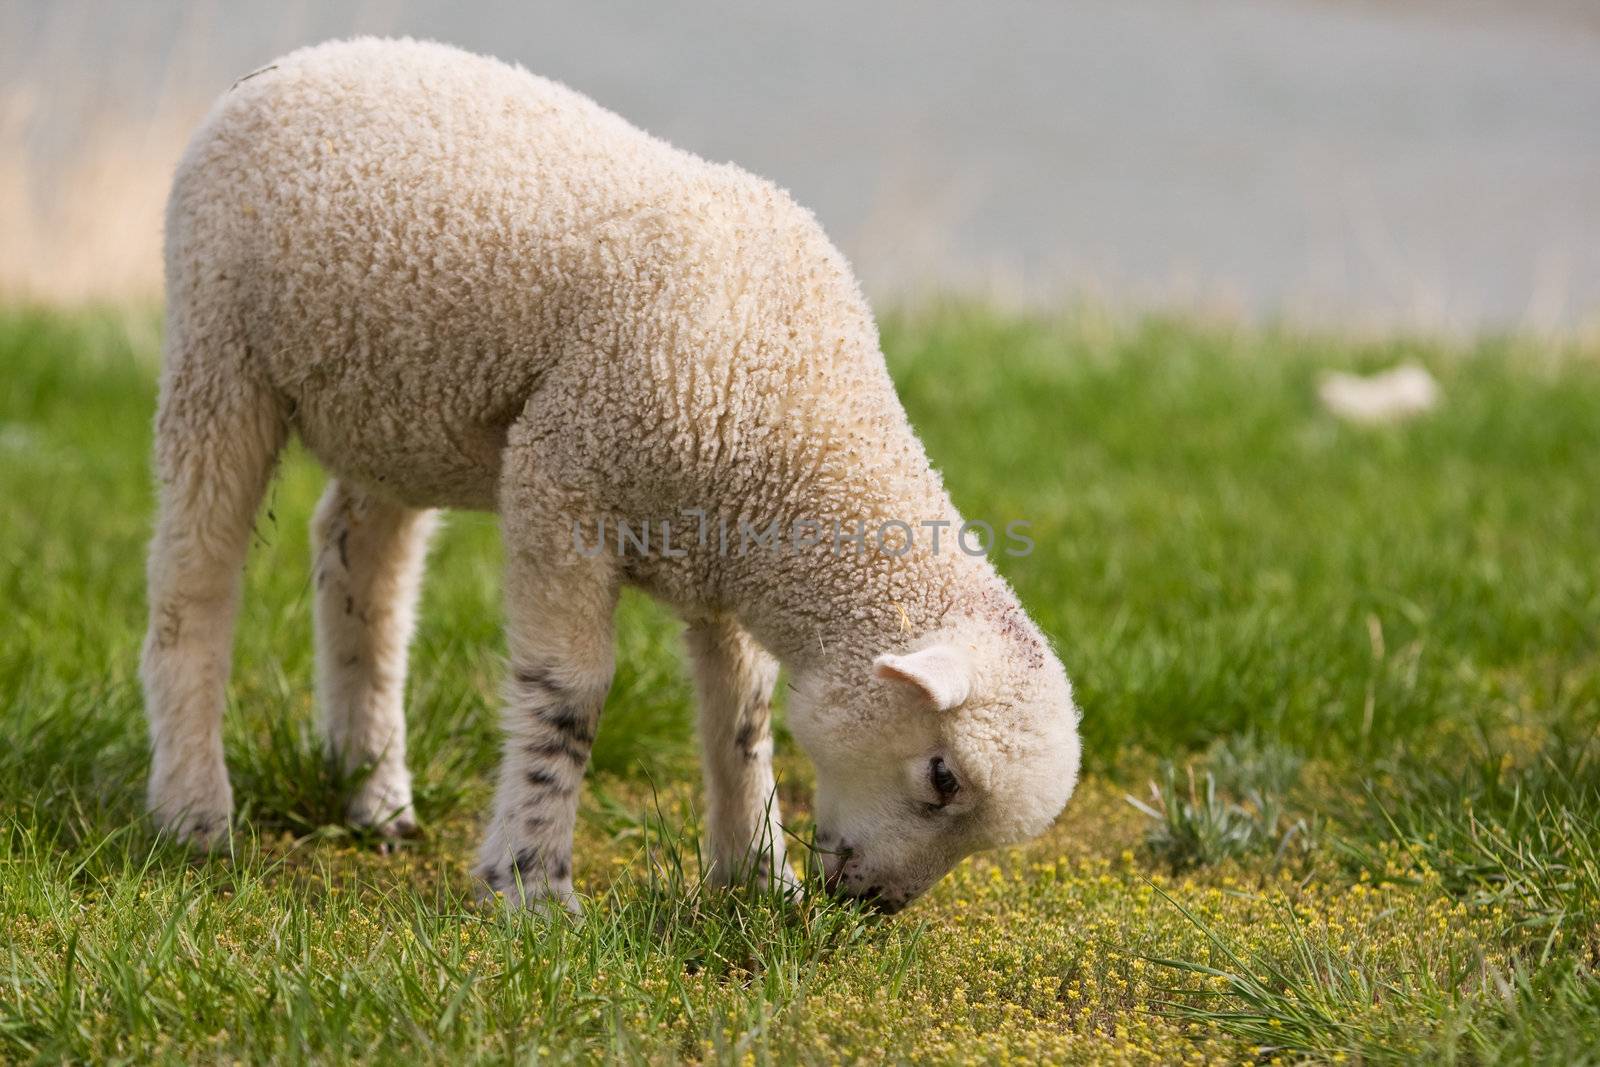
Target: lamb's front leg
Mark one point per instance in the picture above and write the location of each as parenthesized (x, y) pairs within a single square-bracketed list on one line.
[(734, 680), (559, 633)]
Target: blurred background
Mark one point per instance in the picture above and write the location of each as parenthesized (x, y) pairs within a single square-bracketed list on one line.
[(1361, 163)]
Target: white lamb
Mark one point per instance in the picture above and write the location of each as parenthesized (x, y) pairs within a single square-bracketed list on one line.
[(466, 286)]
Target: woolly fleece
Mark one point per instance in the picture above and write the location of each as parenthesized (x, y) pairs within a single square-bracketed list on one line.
[(467, 286)]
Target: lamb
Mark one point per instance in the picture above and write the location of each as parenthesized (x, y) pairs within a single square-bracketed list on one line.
[(465, 286)]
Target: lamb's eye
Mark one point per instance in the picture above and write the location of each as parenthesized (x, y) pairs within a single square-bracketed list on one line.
[(944, 782)]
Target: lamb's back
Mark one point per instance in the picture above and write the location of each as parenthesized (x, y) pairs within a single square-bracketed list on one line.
[(412, 178), (413, 236)]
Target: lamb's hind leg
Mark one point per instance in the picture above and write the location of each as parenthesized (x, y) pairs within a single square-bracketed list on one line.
[(734, 680), (218, 433), (368, 571)]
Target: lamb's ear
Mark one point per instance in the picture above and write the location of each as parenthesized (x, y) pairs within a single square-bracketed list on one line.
[(940, 672)]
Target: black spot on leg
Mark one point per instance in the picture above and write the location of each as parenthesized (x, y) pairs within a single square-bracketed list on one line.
[(542, 779), (536, 823), (535, 865), (560, 746), (538, 680), (569, 721), (344, 547), (351, 661), (205, 824), (757, 713), (747, 739), (349, 604), (543, 750)]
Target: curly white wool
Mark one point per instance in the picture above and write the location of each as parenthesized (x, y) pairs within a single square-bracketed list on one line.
[(466, 286)]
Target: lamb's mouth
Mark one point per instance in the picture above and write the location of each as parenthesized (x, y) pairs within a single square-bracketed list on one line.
[(874, 897), (883, 903)]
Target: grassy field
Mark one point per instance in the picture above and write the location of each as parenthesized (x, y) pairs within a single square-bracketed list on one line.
[(1351, 678)]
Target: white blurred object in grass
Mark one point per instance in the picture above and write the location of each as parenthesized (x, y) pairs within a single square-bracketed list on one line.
[(1393, 395)]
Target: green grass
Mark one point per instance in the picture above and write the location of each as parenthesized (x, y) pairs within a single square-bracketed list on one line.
[(1359, 666)]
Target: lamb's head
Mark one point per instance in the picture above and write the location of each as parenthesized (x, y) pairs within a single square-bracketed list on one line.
[(966, 740)]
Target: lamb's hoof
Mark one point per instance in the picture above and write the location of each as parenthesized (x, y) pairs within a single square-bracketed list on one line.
[(759, 880), (785, 885), (384, 807), (193, 813), (543, 900)]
